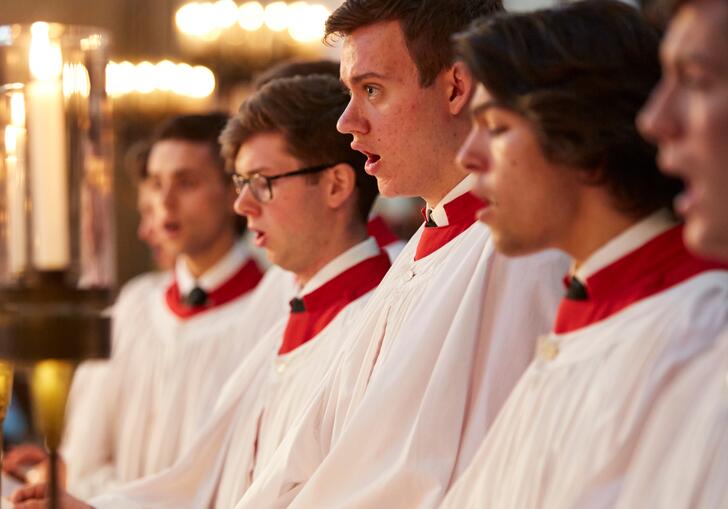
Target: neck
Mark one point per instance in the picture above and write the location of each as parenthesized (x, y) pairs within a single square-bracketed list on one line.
[(332, 248), (597, 223), (202, 261), (450, 172)]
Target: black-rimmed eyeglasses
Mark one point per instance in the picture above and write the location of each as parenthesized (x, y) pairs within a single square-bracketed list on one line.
[(261, 186)]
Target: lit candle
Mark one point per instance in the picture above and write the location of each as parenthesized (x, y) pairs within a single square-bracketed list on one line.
[(46, 130), (15, 195)]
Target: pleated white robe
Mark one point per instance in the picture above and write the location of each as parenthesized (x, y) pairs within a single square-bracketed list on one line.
[(682, 459), (140, 412), (568, 431), (443, 340), (255, 409)]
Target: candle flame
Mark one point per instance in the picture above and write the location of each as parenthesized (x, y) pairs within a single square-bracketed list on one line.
[(46, 60)]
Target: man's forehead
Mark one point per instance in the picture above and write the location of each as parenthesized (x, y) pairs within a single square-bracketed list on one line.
[(698, 34), (482, 100), (264, 151), (377, 48)]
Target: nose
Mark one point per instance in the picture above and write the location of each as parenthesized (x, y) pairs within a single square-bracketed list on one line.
[(659, 119), (352, 121), (167, 197), (472, 155), (246, 204), (144, 230)]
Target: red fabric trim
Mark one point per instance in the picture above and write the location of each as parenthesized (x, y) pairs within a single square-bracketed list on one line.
[(381, 232), (323, 304), (242, 282), (460, 215), (659, 264)]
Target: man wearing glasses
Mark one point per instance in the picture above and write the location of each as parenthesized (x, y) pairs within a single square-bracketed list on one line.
[(178, 339), (306, 199)]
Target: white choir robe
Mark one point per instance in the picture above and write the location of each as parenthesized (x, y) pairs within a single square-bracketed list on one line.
[(139, 413), (443, 340), (567, 433), (254, 411), (682, 458)]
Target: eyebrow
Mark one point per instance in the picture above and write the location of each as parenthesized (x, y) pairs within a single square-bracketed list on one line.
[(367, 76), (252, 172), (481, 108)]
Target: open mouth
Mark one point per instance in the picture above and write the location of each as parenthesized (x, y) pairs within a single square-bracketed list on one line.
[(259, 237), (372, 163), (171, 228)]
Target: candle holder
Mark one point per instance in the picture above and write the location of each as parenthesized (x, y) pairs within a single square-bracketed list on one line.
[(56, 212)]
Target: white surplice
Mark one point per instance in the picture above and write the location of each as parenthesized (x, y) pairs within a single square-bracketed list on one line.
[(138, 413), (254, 411), (682, 458), (443, 340), (568, 432)]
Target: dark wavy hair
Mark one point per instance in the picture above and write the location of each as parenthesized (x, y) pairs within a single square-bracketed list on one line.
[(427, 26), (579, 73), (304, 109)]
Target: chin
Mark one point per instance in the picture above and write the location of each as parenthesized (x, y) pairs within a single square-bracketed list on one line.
[(707, 242), (511, 246)]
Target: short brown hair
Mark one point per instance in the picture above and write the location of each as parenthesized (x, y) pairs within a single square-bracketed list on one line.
[(427, 26), (291, 68), (579, 73), (202, 128), (304, 109)]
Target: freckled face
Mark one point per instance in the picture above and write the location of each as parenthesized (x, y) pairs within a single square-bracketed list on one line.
[(532, 201), (395, 122)]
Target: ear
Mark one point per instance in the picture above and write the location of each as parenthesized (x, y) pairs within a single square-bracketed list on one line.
[(340, 185), (459, 86)]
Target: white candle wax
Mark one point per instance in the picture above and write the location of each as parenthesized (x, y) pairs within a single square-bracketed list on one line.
[(15, 196), (49, 180)]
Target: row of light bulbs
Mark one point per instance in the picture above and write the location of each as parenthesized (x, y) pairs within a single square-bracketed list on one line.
[(182, 79), (207, 20)]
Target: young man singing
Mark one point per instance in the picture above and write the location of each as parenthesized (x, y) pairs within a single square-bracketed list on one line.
[(562, 165)]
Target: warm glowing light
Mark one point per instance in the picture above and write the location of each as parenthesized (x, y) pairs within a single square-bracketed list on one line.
[(276, 16), (6, 387), (145, 78), (226, 13), (251, 16), (45, 58), (185, 18), (307, 22), (76, 80), (126, 74), (165, 76), (17, 109), (50, 383), (198, 19), (11, 140), (202, 82)]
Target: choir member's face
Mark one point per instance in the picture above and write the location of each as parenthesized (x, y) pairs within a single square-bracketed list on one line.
[(403, 129), (149, 230), (293, 225), (195, 197), (532, 202), (687, 116)]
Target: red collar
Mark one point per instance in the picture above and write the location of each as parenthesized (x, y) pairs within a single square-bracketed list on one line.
[(323, 304), (460, 215), (243, 281), (659, 264), (381, 232)]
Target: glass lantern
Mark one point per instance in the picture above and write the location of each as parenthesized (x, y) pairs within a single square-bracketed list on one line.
[(57, 265)]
